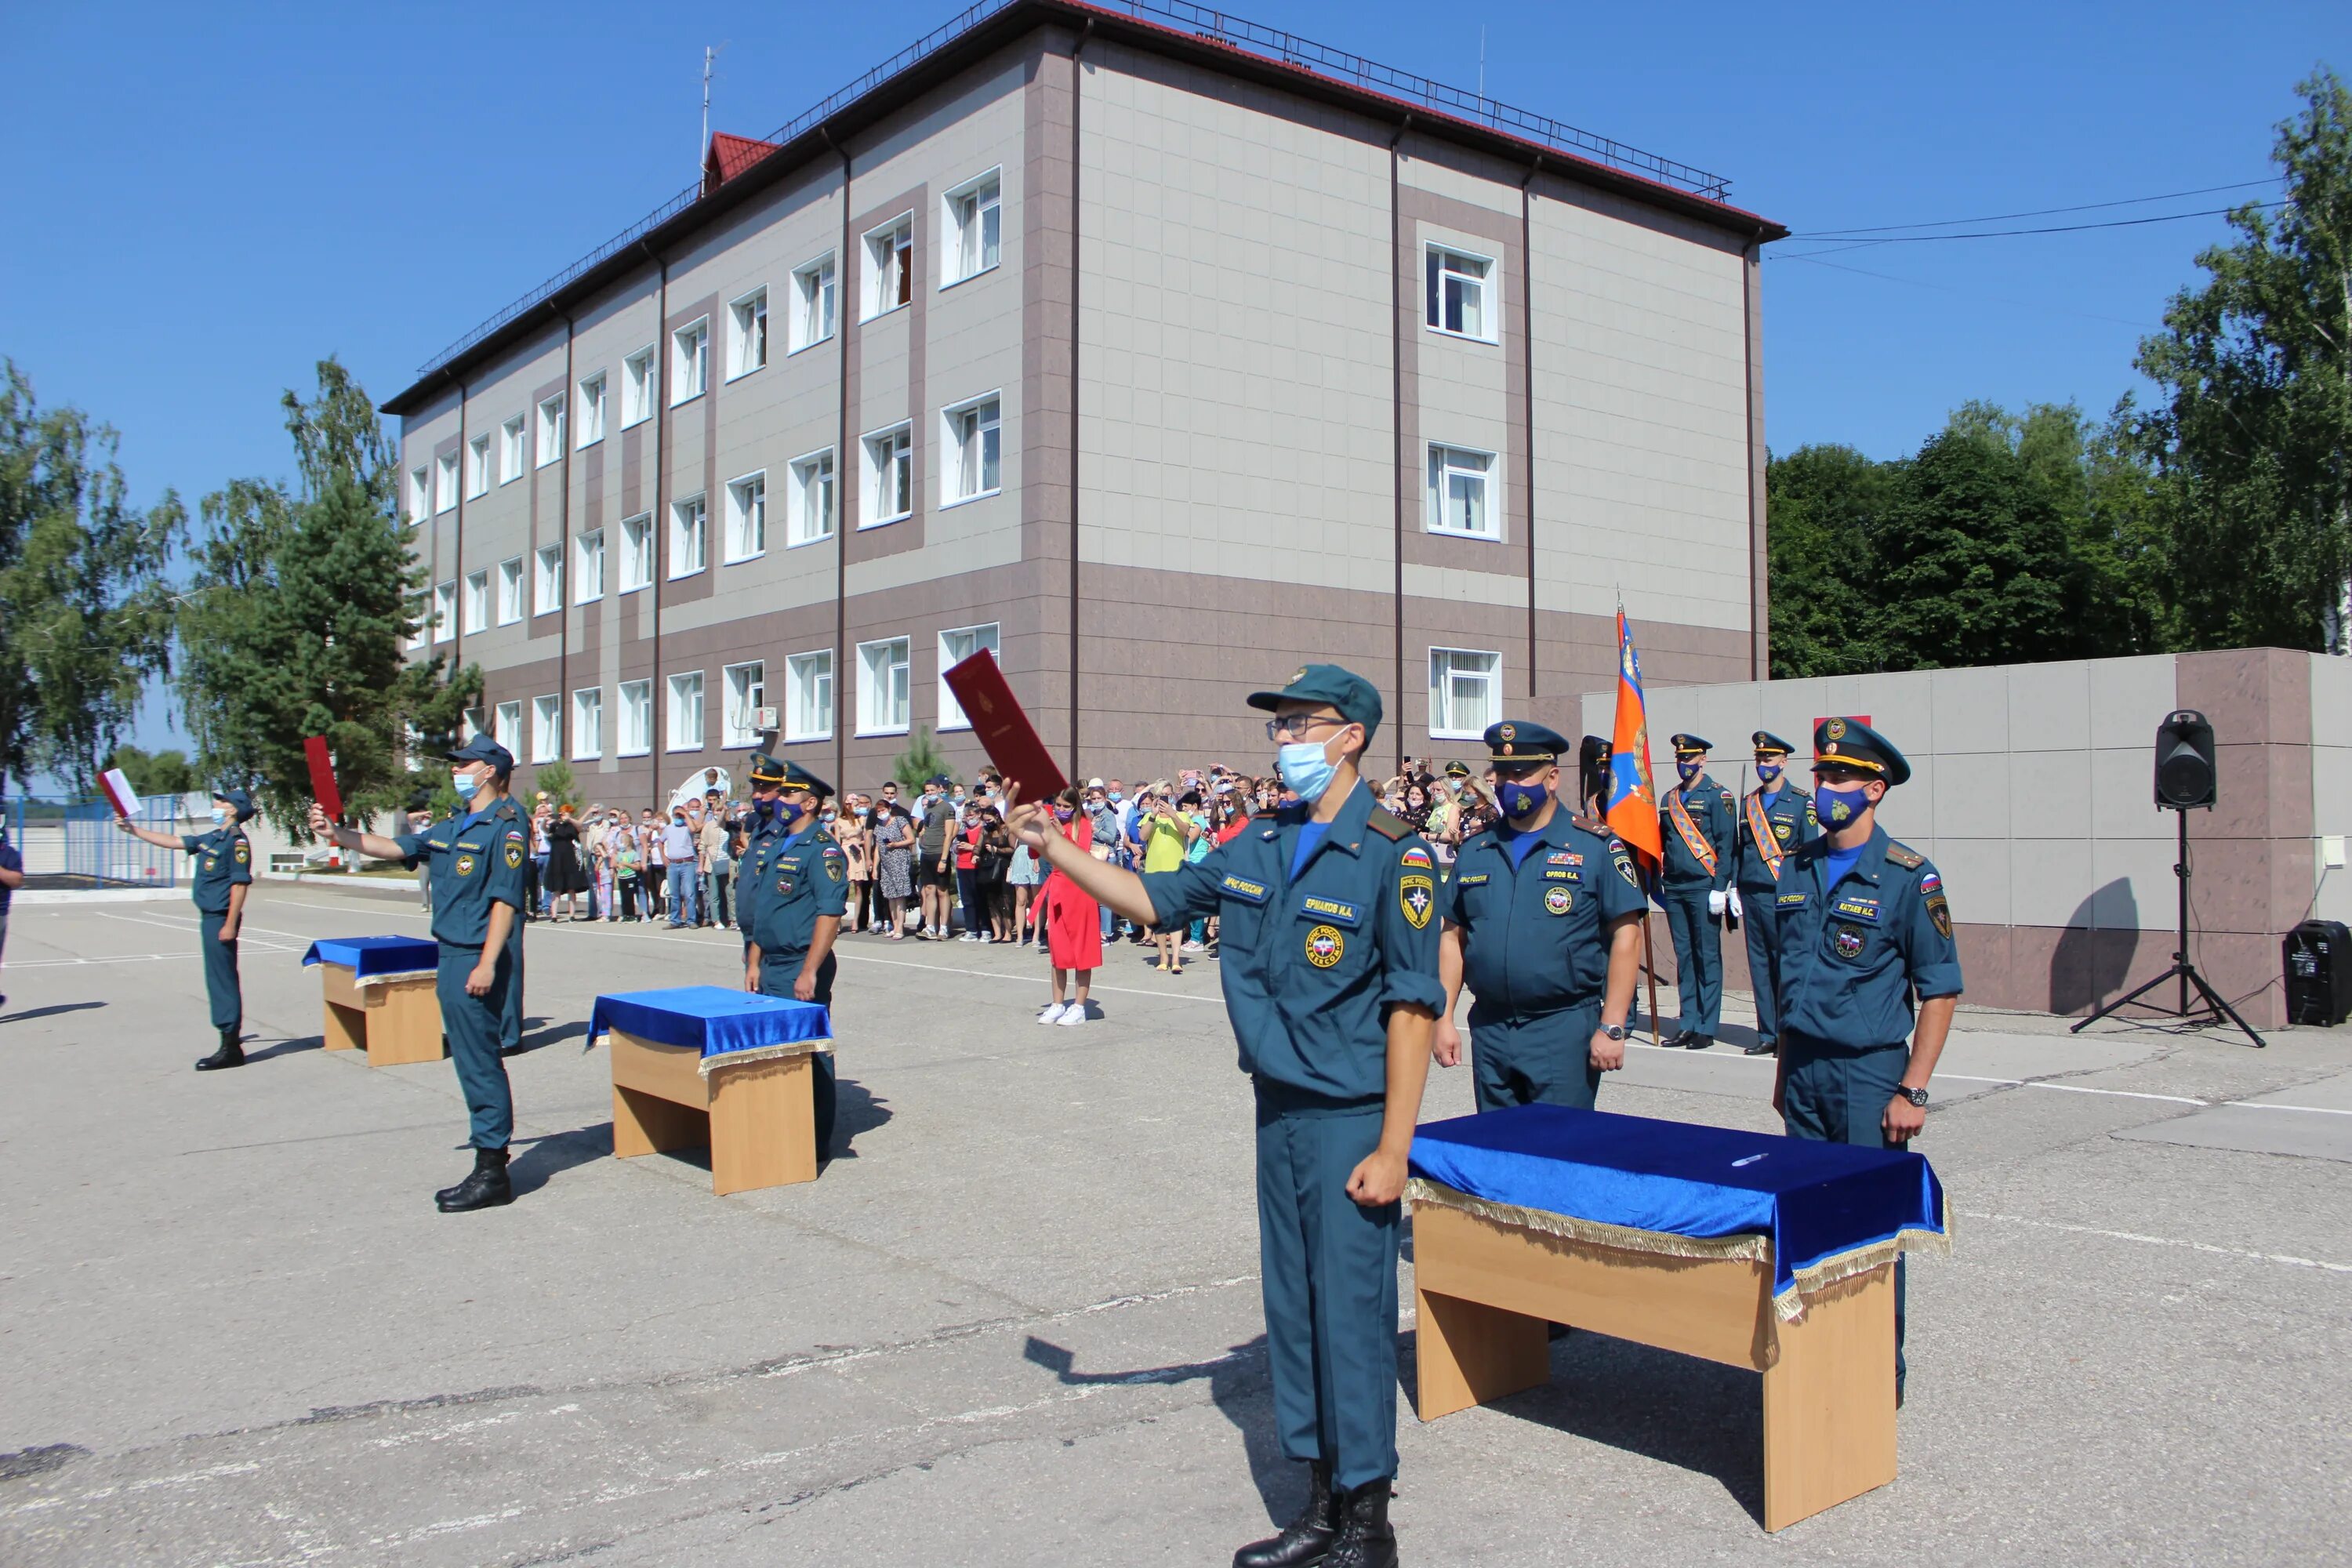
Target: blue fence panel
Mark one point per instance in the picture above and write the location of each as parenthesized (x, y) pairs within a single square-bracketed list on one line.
[(101, 855)]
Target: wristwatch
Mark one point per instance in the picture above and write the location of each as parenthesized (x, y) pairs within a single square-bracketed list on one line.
[(1614, 1031), (1917, 1097)]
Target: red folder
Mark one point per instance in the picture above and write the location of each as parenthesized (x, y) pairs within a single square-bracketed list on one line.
[(322, 777), (1003, 729)]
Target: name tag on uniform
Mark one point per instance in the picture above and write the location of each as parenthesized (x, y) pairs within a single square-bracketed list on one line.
[(463, 845), (1471, 881), (1339, 912), (1791, 900), (1242, 887), (1852, 907), (1552, 876), (435, 844)]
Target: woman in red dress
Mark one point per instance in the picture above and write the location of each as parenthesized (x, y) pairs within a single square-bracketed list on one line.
[(1073, 923)]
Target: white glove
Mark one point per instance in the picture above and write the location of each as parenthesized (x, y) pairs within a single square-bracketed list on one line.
[(1714, 902), (1737, 912)]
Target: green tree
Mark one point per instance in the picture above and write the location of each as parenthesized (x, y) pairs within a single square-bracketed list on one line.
[(84, 613), (1825, 503), (562, 788), (920, 762), (159, 773)]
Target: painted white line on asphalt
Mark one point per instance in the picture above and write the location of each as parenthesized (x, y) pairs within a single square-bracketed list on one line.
[(188, 930), (2288, 1259), (76, 963), (2273, 1105)]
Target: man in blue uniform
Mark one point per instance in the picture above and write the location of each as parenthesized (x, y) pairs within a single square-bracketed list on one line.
[(1543, 918), (477, 889), (1865, 927), (219, 877), (1696, 825), (1328, 918), (1773, 820), (804, 888)]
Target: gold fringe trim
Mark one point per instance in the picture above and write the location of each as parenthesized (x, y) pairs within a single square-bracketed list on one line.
[(764, 1054), (364, 981)]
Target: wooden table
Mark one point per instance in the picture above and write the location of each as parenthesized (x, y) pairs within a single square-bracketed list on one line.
[(757, 1118), (1485, 1291), (396, 1018)]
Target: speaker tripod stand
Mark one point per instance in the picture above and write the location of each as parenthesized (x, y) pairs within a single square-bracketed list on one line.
[(2210, 1007)]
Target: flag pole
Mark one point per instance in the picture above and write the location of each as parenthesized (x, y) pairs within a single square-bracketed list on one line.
[(1650, 967)]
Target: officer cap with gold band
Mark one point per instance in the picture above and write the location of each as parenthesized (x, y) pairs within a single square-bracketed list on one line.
[(766, 770), (1767, 744), (1692, 745), (1516, 740), (1857, 745)]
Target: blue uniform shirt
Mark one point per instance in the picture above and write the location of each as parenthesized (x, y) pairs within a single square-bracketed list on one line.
[(475, 860), (802, 877), (1713, 812), (1853, 955), (1312, 964), (1535, 932), (1789, 816), (224, 860)]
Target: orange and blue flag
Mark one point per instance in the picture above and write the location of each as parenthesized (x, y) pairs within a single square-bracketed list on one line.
[(1632, 811)]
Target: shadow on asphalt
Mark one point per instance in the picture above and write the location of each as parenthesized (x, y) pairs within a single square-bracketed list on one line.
[(555, 1152), (854, 1110), (576, 1030), (1237, 1386), (29, 1013), (288, 1048)]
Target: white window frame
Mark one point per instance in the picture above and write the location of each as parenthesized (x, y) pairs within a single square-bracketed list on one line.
[(1442, 465), (511, 591), (897, 678), (420, 493), (420, 606), (744, 690), (478, 467), (966, 431), (872, 472), (685, 696), (444, 484), (547, 579), (636, 569), (747, 518), (588, 566), (886, 278), (514, 448), (470, 722), (640, 385), (588, 723), (689, 361), (813, 474), (1459, 728), (551, 430), (637, 715), (817, 303), (956, 645), (445, 610), (1436, 256), (592, 389), (689, 523), (809, 720), (967, 215), (546, 727), (747, 334), (505, 726), (477, 601)]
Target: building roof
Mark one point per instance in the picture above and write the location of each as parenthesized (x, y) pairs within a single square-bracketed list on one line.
[(738, 168)]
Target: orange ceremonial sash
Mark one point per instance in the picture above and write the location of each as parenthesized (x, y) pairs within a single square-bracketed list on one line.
[(1693, 839), (1759, 828)]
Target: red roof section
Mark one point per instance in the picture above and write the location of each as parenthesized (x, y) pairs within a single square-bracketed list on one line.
[(730, 156)]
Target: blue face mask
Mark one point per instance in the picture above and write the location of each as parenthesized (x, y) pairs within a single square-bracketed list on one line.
[(1838, 808), (465, 785), (1768, 772), (1115, 796), (220, 814), (763, 809), (1306, 771), (1521, 800), (1689, 771)]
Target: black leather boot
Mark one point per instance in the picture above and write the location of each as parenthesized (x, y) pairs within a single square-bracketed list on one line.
[(1305, 1539), (487, 1187), (230, 1055), (1366, 1538)]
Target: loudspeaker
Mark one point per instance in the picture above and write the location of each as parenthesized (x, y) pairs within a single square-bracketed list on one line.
[(2185, 775)]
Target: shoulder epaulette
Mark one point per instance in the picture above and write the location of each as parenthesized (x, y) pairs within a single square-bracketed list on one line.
[(1590, 824), (1903, 855), (1388, 823)]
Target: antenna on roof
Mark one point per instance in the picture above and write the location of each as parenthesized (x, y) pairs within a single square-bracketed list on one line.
[(709, 57), (1481, 70)]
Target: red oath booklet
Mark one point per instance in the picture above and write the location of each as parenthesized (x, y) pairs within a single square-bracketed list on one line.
[(1003, 729)]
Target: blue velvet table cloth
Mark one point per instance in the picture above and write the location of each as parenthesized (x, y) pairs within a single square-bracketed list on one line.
[(710, 1019), (369, 956), (1826, 1210)]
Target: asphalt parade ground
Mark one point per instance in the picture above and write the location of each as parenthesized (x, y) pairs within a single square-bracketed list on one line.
[(1017, 1321)]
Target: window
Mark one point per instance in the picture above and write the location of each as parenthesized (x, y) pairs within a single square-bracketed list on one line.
[(813, 287), (507, 728), (591, 409), (420, 620), (690, 361), (478, 467), (550, 430), (971, 441), (889, 477), (511, 451), (747, 334), (588, 723), (636, 552), (636, 718), (546, 726), (420, 495), (808, 695), (445, 482), (889, 265), (747, 693), (974, 213), (1457, 294), (686, 712), (1465, 692), (477, 601), (883, 704), (810, 505), (955, 646), (509, 591), (444, 612), (690, 522), (470, 722), (547, 594), (1459, 500), (588, 567), (747, 516), (637, 387)]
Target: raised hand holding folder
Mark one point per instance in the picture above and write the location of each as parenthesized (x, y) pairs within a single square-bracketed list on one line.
[(322, 777), (1004, 731)]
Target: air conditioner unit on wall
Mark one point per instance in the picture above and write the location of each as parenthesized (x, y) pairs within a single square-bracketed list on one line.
[(764, 718)]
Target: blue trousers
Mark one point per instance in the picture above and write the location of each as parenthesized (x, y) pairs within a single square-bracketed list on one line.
[(1547, 1058), (1761, 918), (221, 987), (685, 882), (1329, 1268), (472, 1025), (1698, 956), (1831, 1094), (777, 972)]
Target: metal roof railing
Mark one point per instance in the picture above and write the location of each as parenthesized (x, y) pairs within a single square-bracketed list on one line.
[(1181, 16)]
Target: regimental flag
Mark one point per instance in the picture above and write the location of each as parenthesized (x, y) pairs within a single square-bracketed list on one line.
[(1633, 810)]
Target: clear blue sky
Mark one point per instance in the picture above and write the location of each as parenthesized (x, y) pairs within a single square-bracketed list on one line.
[(210, 199)]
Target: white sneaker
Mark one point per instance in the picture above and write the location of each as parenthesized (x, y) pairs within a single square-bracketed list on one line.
[(1191, 947), (1051, 1012), (1073, 1016)]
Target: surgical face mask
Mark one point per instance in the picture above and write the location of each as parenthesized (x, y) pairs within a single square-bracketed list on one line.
[(830, 817), (1115, 796), (220, 814), (763, 809), (862, 812), (1306, 771), (465, 785), (1839, 809), (1521, 800), (1768, 772), (1689, 771), (1061, 814)]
